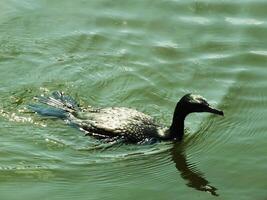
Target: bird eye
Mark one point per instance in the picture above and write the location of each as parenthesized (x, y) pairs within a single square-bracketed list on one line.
[(203, 101)]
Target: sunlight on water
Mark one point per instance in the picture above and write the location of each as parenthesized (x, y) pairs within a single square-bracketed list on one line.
[(236, 21), (144, 55)]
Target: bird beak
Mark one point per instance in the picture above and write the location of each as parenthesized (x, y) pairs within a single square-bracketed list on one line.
[(215, 111)]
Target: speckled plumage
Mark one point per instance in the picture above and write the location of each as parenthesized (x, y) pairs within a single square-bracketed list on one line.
[(120, 122), (130, 124)]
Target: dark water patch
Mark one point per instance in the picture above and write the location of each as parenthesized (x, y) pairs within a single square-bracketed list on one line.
[(196, 179)]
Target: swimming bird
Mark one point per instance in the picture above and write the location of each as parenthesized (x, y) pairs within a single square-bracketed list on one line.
[(120, 122)]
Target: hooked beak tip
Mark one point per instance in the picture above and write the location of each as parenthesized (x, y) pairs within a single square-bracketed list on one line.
[(221, 113), (215, 111)]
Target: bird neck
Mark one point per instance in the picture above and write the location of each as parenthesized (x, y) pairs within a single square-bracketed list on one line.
[(177, 126)]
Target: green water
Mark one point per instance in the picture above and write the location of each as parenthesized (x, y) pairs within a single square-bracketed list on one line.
[(144, 55)]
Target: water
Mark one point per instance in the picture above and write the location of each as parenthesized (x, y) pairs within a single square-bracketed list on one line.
[(144, 55)]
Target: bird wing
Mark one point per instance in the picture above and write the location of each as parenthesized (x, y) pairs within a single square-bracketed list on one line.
[(116, 121)]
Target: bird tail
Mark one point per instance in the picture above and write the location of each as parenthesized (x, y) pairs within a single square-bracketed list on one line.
[(57, 105)]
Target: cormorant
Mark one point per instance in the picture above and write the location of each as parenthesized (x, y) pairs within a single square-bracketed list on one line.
[(119, 122)]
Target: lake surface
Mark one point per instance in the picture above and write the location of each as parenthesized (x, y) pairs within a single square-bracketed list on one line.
[(143, 55)]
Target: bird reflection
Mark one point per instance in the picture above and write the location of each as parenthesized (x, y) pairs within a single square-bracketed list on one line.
[(194, 178)]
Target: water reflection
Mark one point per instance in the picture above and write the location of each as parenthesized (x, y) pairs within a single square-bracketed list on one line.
[(194, 178)]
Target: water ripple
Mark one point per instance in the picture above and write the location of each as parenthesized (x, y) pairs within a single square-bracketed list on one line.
[(196, 19), (259, 52), (243, 21), (143, 55)]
